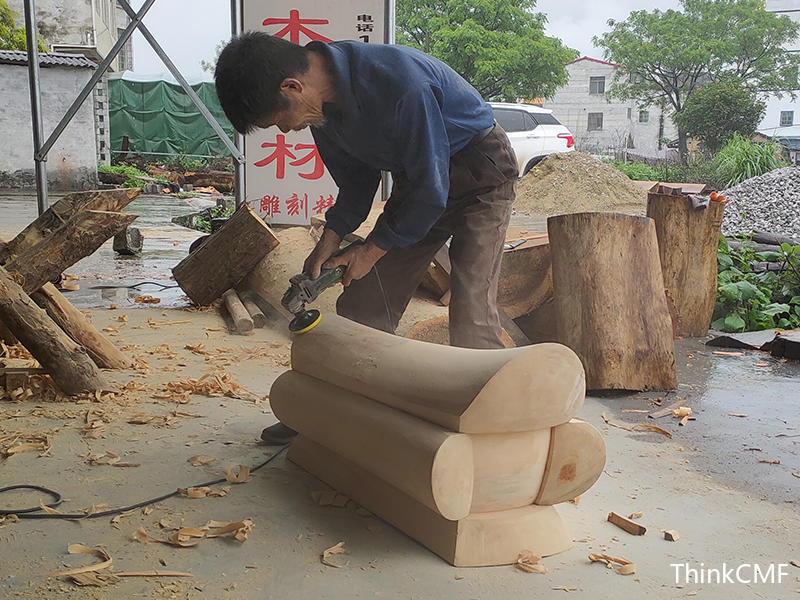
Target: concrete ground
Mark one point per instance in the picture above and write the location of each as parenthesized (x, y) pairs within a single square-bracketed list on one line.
[(706, 481)]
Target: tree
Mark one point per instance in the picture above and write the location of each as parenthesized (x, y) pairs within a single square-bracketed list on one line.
[(498, 46), (665, 57), (11, 36), (211, 65), (713, 113)]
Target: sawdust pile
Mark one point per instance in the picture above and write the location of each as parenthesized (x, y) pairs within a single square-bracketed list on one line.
[(575, 182)]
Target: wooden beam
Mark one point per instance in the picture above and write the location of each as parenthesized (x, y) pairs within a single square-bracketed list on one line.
[(68, 364), (71, 320), (61, 212), (77, 238), (226, 257)]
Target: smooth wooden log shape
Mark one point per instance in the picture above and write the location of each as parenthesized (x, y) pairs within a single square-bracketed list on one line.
[(609, 298), (576, 459), (105, 354), (67, 363), (226, 257), (481, 539), (433, 466), (259, 319), (687, 246), (472, 391), (77, 238), (64, 210), (242, 321)]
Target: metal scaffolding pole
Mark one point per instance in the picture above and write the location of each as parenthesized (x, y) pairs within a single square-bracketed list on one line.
[(32, 38), (238, 139)]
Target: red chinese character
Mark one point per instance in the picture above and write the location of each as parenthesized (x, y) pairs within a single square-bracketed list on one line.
[(270, 205), (323, 204), (295, 26), (295, 203), (319, 167), (280, 155)]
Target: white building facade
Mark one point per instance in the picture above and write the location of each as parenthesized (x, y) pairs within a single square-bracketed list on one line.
[(603, 125)]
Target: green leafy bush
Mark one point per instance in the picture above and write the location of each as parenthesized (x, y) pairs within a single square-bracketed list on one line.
[(639, 171), (132, 174), (742, 159), (750, 301), (203, 224)]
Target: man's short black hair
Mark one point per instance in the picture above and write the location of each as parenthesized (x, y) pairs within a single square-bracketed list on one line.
[(249, 73)]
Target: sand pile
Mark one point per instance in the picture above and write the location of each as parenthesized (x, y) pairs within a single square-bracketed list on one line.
[(576, 182)]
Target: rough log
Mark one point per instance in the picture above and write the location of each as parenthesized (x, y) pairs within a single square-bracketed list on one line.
[(77, 238), (774, 239), (8, 338), (539, 325), (687, 246), (526, 277), (71, 320), (61, 212), (259, 319), (461, 389), (431, 465), (242, 322), (222, 181), (609, 298), (226, 257), (68, 363)]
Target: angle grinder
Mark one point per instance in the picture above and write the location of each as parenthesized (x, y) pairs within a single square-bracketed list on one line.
[(304, 290)]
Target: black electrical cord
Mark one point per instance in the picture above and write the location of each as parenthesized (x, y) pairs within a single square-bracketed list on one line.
[(32, 513)]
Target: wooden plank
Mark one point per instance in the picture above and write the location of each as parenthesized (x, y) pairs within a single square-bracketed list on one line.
[(630, 526), (61, 212), (77, 238), (105, 354), (226, 257), (68, 364)]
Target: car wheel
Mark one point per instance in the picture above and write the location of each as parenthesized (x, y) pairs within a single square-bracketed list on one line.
[(532, 163)]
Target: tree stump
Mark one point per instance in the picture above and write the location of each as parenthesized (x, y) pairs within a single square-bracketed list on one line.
[(609, 300), (129, 242), (687, 246)]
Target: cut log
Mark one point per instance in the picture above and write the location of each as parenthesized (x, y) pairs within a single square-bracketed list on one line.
[(74, 323), (526, 277), (8, 338), (431, 465), (128, 242), (481, 539), (259, 320), (77, 238), (687, 246), (609, 298), (226, 257), (774, 239), (222, 181), (61, 212), (67, 363), (461, 389), (539, 325), (241, 318)]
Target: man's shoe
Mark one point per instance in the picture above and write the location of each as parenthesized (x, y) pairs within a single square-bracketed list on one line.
[(278, 434)]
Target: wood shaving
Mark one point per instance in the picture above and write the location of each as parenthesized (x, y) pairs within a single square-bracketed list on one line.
[(636, 515), (99, 552), (17, 443), (649, 427), (146, 299), (240, 474), (528, 562), (203, 492), (198, 461), (107, 458), (187, 537), (628, 569), (626, 566), (770, 461), (565, 588), (740, 415), (681, 411), (333, 550)]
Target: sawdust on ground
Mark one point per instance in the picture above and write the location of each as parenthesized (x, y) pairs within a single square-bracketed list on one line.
[(575, 182)]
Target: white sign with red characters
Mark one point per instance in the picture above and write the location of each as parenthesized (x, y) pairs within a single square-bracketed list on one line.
[(286, 180)]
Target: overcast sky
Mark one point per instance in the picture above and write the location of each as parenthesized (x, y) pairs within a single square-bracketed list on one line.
[(189, 30)]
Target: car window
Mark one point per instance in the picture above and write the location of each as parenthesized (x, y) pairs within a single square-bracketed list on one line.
[(510, 120), (546, 119), (530, 123)]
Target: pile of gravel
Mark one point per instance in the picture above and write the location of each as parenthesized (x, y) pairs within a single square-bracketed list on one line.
[(769, 202)]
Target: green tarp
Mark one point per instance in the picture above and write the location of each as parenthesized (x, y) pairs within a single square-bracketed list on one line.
[(158, 116)]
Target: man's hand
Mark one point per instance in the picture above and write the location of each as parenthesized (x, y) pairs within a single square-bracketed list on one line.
[(359, 261), (326, 246)]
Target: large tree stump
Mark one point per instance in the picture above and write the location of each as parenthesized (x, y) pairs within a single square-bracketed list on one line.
[(609, 299), (71, 320), (687, 246), (67, 363), (79, 237), (225, 257), (61, 212)]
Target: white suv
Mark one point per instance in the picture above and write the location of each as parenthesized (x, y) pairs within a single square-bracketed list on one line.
[(534, 132)]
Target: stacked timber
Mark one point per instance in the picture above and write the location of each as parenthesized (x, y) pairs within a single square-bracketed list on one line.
[(466, 451), (35, 313)]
